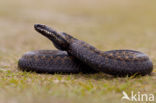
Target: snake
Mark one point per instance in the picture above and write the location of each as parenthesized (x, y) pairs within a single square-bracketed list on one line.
[(76, 56)]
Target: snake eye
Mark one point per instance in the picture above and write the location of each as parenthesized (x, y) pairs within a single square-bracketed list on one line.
[(44, 30), (39, 27), (59, 39)]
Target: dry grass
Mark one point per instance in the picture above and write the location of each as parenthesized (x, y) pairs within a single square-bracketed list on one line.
[(106, 24)]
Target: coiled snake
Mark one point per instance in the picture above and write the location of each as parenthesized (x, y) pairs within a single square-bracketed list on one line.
[(76, 56)]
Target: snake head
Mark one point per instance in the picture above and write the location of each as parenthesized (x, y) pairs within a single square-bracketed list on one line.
[(59, 39)]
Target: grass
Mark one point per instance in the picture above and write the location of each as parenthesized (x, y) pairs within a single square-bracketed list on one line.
[(106, 24)]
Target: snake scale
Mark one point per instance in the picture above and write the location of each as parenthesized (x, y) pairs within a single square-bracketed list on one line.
[(76, 56)]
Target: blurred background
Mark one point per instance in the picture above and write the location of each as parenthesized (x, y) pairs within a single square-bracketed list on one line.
[(105, 24)]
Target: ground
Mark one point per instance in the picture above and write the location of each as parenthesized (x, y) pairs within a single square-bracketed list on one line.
[(106, 24)]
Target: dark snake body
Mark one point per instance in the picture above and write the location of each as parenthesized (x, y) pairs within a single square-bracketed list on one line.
[(76, 56)]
